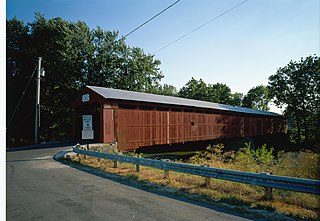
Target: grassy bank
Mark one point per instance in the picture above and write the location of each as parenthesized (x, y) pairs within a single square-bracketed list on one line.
[(304, 164)]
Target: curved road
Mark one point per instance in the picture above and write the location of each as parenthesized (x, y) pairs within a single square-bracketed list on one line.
[(40, 188)]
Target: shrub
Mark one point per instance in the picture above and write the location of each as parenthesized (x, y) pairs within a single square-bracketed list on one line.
[(258, 160), (133, 154), (303, 164)]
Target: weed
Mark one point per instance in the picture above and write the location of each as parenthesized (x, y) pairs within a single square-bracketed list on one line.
[(133, 176), (235, 201), (265, 205), (133, 154), (303, 164)]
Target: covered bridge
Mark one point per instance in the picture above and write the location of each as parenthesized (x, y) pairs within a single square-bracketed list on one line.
[(135, 119)]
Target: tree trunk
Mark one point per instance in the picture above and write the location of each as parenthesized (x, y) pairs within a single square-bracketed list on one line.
[(305, 129), (317, 129), (299, 129)]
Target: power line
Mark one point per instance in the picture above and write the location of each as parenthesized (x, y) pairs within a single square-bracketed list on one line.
[(215, 18), (152, 18), (23, 93)]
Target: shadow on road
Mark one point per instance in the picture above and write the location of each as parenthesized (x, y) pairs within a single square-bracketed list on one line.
[(156, 189), (24, 160), (53, 144)]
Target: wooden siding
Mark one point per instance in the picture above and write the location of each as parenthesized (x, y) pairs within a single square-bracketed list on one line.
[(107, 125), (137, 128), (134, 124)]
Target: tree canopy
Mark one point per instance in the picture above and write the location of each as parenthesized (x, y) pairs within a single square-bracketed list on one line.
[(73, 56), (217, 93), (296, 87), (257, 98)]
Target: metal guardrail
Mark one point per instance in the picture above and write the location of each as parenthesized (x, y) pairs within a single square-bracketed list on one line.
[(265, 180)]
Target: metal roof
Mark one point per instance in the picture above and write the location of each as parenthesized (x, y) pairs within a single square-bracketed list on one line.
[(110, 93)]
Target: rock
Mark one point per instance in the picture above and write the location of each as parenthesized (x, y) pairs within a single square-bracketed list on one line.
[(69, 155)]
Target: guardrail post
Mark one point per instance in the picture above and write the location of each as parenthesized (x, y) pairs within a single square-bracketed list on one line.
[(166, 174), (268, 193), (115, 164), (78, 147), (86, 148), (138, 166), (98, 158), (268, 190), (207, 180)]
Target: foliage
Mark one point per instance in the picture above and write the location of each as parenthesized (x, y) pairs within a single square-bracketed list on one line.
[(213, 153), (245, 159), (217, 93), (134, 154), (257, 98), (236, 99), (195, 89), (166, 89), (303, 164), (18, 72), (255, 160), (296, 87), (73, 56)]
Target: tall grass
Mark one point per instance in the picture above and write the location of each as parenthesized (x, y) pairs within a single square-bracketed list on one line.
[(304, 164)]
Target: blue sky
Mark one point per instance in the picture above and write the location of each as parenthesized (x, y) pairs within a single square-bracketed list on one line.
[(240, 49)]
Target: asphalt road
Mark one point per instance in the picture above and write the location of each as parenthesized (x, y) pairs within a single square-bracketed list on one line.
[(40, 188)]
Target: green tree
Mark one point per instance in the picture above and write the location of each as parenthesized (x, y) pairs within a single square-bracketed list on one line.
[(19, 70), (217, 93), (195, 89), (112, 63), (73, 56), (65, 48), (236, 99), (296, 88), (257, 98), (168, 90)]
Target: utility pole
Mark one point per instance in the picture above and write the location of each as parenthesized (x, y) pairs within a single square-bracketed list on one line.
[(37, 116)]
